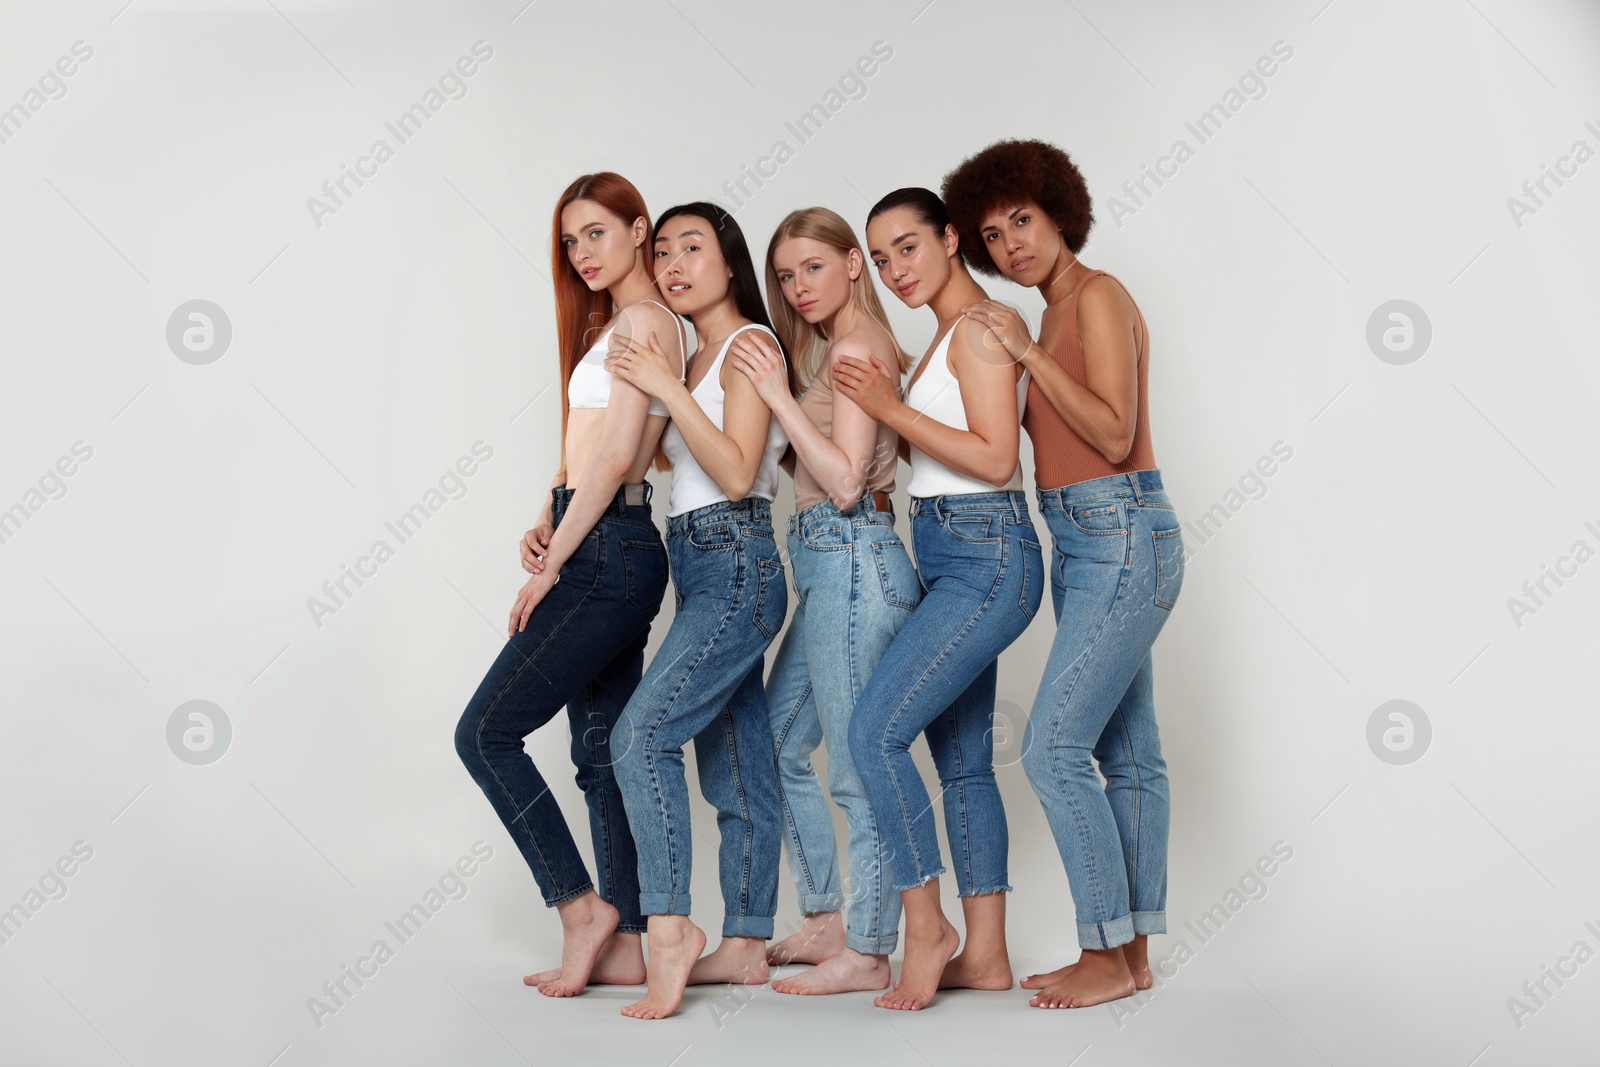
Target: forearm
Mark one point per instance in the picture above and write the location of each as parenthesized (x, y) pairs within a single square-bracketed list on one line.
[(840, 477), (1085, 413), (718, 454), (544, 517), (963, 451), (589, 501)]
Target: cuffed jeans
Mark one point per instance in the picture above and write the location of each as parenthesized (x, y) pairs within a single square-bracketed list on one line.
[(705, 683), (856, 587), (1118, 567), (582, 648), (983, 578)]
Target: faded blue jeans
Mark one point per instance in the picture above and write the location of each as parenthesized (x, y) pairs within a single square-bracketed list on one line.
[(583, 648), (1118, 566), (856, 587), (705, 684), (982, 574)]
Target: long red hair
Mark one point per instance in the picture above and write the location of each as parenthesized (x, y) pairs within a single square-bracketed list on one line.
[(580, 312)]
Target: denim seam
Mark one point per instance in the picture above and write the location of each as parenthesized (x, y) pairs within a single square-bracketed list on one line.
[(649, 751), (744, 813), (1133, 771), (790, 825), (1082, 824), (494, 706), (944, 654)]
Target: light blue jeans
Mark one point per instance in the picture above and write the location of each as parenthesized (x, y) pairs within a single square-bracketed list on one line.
[(705, 683), (856, 588), (1117, 569), (983, 578)]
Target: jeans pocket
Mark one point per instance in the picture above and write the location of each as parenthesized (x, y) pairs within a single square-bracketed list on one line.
[(1098, 517), (975, 529), (897, 577), (1032, 592), (772, 597), (714, 535), (644, 571), (1169, 565)]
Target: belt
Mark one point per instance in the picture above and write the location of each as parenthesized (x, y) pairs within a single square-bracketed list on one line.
[(882, 502)]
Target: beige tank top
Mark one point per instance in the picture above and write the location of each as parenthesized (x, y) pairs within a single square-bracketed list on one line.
[(817, 403)]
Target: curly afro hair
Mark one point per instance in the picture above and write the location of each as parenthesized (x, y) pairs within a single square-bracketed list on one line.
[(1008, 173)]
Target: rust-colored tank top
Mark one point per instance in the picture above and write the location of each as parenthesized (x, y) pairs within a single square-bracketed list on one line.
[(1060, 456)]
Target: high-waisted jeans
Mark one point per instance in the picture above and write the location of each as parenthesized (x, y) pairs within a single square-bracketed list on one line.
[(983, 578), (1118, 566), (856, 587), (583, 648), (705, 684)]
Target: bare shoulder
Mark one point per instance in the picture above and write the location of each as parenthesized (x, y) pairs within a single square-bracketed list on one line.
[(1105, 298), (645, 317), (974, 346), (865, 339)]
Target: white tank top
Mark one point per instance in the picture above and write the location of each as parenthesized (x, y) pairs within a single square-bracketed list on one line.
[(590, 386), (937, 394), (692, 487)]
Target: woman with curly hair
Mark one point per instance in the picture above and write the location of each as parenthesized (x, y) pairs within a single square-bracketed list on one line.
[(982, 574), (1022, 210)]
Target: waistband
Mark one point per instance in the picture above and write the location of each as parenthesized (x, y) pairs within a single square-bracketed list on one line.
[(1134, 485), (750, 509), (630, 501), (1012, 500), (865, 510)]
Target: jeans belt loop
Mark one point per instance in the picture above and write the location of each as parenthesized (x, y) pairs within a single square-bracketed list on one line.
[(636, 494), (1138, 494), (883, 502)]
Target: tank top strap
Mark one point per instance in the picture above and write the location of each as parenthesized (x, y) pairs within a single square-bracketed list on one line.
[(683, 339)]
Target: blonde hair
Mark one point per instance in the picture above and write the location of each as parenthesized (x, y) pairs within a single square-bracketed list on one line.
[(803, 341)]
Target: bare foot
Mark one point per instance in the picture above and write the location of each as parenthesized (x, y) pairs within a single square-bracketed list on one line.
[(541, 977), (1136, 952), (621, 962), (968, 972), (848, 972), (587, 923), (675, 943), (1101, 974), (926, 956), (820, 937), (740, 960)]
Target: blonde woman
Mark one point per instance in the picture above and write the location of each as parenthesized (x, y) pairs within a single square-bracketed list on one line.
[(855, 585)]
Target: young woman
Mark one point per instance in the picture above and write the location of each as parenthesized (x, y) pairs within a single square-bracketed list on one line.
[(981, 569), (1117, 549), (580, 643), (705, 680), (855, 584)]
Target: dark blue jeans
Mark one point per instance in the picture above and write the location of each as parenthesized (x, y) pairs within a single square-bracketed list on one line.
[(583, 649)]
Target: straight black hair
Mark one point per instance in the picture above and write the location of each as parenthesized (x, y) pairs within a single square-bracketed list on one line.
[(929, 209), (735, 252)]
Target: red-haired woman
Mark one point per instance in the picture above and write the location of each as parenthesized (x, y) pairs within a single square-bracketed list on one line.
[(578, 628), (1023, 211)]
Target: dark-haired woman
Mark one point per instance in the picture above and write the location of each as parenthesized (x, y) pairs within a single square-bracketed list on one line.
[(1118, 562), (982, 572), (705, 680), (580, 643)]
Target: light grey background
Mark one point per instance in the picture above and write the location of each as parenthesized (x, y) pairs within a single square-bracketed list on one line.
[(371, 352)]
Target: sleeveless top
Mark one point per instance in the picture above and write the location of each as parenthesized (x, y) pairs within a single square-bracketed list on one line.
[(590, 384), (1060, 456), (937, 394), (817, 403), (692, 487)]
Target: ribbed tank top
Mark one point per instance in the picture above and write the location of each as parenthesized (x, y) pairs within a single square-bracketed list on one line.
[(1060, 456), (817, 403), (936, 393), (692, 487), (590, 384)]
